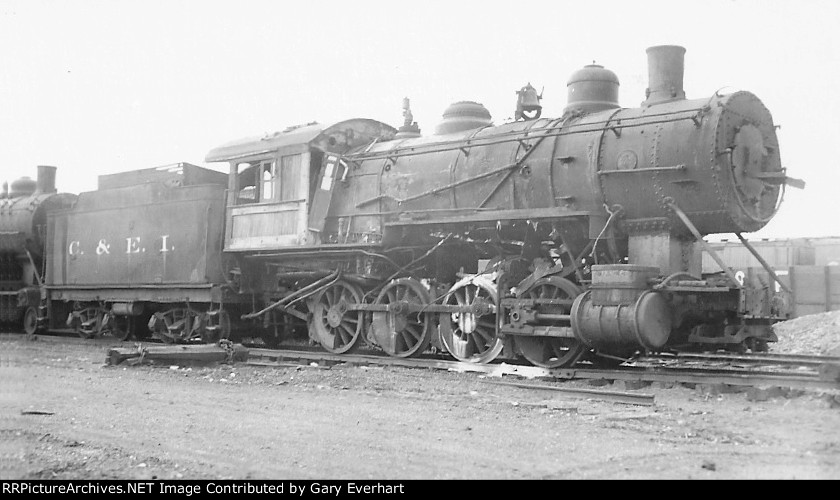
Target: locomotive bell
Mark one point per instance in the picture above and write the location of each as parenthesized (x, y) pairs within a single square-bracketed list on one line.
[(528, 101)]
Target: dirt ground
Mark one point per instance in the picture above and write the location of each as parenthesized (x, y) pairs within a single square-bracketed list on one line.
[(64, 414)]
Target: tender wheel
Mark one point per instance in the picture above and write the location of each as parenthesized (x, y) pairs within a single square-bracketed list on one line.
[(552, 352), (30, 321), (471, 337), (332, 325), (122, 327), (177, 325), (158, 327), (89, 322), (400, 332)]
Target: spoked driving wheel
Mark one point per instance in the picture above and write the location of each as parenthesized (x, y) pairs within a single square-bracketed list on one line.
[(552, 352), (333, 325), (471, 336), (403, 331)]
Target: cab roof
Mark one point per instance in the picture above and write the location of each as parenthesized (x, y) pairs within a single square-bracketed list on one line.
[(337, 138)]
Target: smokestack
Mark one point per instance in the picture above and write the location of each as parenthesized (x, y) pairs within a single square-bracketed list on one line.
[(666, 64), (46, 179), (5, 192)]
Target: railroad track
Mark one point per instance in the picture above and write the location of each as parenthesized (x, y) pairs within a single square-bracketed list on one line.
[(750, 370), (763, 358), (801, 372)]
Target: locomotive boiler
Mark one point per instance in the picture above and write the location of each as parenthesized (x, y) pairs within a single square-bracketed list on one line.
[(545, 238), (23, 225)]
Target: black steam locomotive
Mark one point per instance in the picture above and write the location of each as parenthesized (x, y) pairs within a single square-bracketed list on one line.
[(542, 238)]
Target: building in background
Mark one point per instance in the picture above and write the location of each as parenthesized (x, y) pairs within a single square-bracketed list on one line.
[(810, 266)]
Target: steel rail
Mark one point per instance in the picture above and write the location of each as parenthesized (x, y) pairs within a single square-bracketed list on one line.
[(693, 374), (765, 358), (800, 379)]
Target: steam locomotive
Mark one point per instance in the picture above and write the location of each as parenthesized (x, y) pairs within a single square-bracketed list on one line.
[(547, 239)]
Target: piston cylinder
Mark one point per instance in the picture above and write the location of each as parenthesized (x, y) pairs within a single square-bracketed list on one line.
[(646, 323), (615, 284)]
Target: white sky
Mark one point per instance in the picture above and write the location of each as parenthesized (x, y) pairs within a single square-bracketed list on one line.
[(97, 87)]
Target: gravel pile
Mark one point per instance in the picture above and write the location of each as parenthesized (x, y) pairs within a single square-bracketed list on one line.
[(812, 334)]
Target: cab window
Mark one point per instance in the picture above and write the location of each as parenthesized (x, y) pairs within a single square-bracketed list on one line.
[(272, 180), (268, 174)]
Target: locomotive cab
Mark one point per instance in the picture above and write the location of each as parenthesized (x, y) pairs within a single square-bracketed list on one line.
[(280, 185)]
